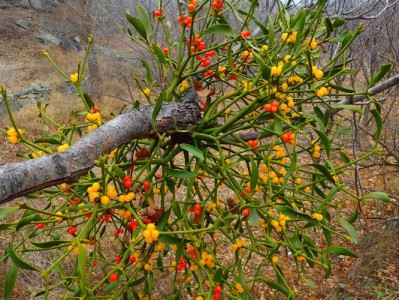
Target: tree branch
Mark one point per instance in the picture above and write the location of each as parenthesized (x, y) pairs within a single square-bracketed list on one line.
[(22, 178)]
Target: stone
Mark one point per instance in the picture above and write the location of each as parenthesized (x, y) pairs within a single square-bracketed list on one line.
[(23, 24), (46, 38), (45, 85), (36, 88)]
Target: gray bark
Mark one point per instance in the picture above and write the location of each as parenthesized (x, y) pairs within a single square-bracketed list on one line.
[(22, 178)]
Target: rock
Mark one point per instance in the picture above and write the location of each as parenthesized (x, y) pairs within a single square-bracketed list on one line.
[(23, 24), (38, 5), (45, 85), (35, 87), (69, 45), (76, 39), (46, 38)]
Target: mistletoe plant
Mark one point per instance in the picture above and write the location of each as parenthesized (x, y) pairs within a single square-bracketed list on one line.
[(256, 174)]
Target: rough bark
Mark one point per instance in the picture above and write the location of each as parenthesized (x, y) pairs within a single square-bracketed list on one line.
[(19, 179)]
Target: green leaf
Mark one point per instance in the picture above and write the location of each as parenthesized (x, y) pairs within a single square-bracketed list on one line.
[(54, 140), (325, 141), (221, 29), (326, 265), (8, 211), (157, 108), (278, 127), (180, 173), (27, 220), (218, 275), (343, 131), (254, 175), (327, 235), (380, 74), (378, 120), (341, 88), (324, 171), (51, 244), (138, 25), (137, 281), (88, 100), (353, 108), (254, 217), (18, 261), (11, 278), (376, 195), (159, 53), (193, 150), (278, 287), (335, 250), (119, 172), (148, 70), (145, 19), (170, 240), (349, 229), (264, 69), (344, 157)]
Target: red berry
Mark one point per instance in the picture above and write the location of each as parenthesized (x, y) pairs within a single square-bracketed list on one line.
[(72, 230), (127, 182), (165, 51), (246, 212), (113, 277), (40, 225), (94, 263), (217, 289), (118, 259), (216, 296), (191, 7), (146, 186), (157, 14)]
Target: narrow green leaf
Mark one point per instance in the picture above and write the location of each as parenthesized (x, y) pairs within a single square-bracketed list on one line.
[(353, 108), (145, 19), (325, 141), (378, 120), (341, 88), (157, 108), (147, 69), (27, 220), (180, 173), (254, 175), (377, 195), (324, 171), (380, 74), (254, 217), (221, 29), (138, 25), (278, 287), (11, 278), (159, 53), (335, 250), (88, 100), (137, 281), (327, 235), (51, 244), (326, 265), (264, 69), (119, 172), (344, 157), (193, 150), (18, 261), (8, 211), (349, 229), (54, 140), (170, 240), (218, 275), (353, 217)]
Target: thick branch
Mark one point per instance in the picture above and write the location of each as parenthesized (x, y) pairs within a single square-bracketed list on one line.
[(19, 179), (382, 86)]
